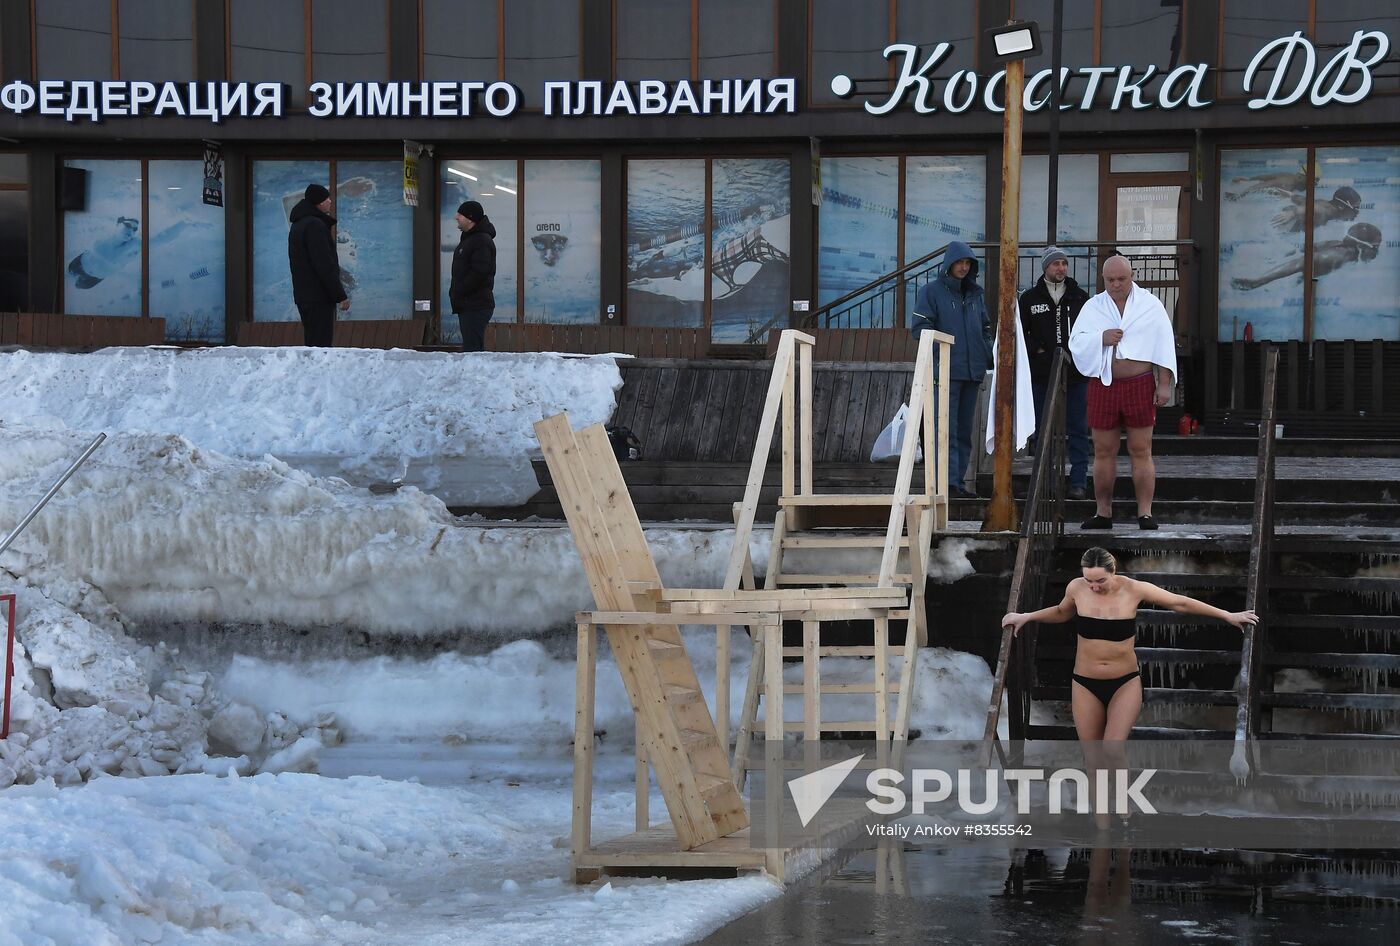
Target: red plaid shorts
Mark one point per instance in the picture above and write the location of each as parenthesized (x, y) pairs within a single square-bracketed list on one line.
[(1127, 402)]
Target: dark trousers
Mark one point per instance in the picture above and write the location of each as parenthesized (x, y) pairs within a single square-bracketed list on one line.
[(962, 414), (1076, 426), (474, 328), (318, 322)]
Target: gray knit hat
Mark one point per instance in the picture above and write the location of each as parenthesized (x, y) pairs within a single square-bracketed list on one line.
[(1051, 254)]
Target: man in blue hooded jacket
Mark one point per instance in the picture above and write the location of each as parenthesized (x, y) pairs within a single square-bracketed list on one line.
[(955, 305)]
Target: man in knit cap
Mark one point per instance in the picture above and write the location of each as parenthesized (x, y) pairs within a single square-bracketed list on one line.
[(1048, 310), (474, 274), (316, 286)]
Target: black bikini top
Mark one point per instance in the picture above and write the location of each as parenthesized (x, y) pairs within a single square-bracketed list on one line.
[(1105, 629)]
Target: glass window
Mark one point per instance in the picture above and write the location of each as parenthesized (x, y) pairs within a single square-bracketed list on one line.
[(653, 39), (1262, 243), (14, 250), (849, 38), (928, 24), (278, 186), (1140, 33), (1077, 213), (74, 39), (563, 199), (542, 42), (1076, 32), (858, 231), (1248, 26), (156, 40), (751, 219), (495, 185), (1338, 21), (945, 199), (1356, 210), (102, 242), (187, 287), (374, 238), (459, 42), (736, 39), (666, 243), (1149, 161), (349, 41), (267, 42), (14, 169)]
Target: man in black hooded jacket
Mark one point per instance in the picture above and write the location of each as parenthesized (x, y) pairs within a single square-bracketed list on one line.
[(316, 286), (474, 274), (1048, 310)]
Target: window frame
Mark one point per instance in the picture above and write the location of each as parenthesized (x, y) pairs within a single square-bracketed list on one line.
[(501, 45), (694, 40), (116, 43), (308, 66)]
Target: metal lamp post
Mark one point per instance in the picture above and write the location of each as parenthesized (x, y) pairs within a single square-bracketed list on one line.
[(1010, 44)]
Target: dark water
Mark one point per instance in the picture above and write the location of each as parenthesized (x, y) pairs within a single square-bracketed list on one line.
[(982, 895)]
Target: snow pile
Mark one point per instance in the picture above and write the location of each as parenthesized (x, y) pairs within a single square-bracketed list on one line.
[(460, 424), (173, 532), (87, 701), (305, 861)]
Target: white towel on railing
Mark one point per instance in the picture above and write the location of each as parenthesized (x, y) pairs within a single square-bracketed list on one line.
[(1147, 334), (1025, 396)]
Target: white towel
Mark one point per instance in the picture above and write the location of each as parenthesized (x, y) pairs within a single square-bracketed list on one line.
[(1147, 334), (1025, 396)]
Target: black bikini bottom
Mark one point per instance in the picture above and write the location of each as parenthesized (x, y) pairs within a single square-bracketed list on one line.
[(1103, 689)]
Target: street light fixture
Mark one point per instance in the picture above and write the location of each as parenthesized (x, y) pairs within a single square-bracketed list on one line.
[(1011, 44)]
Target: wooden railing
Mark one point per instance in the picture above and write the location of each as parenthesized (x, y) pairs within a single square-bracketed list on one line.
[(54, 330), (1042, 524), (1248, 715), (349, 333)]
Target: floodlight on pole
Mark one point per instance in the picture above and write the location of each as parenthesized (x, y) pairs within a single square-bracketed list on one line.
[(1010, 44)]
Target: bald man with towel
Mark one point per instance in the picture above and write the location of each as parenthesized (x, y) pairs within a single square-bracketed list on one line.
[(1123, 343)]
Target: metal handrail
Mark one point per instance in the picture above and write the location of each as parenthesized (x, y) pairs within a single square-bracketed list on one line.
[(53, 491), (1261, 540), (1042, 525)]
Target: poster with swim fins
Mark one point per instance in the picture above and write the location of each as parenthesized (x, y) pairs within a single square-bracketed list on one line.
[(1355, 201), (102, 243)]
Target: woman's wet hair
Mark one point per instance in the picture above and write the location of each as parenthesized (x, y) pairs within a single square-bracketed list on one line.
[(1099, 558)]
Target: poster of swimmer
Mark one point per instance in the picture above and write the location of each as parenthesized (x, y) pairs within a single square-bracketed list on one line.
[(1355, 195), (187, 287), (496, 186), (373, 235), (102, 243)]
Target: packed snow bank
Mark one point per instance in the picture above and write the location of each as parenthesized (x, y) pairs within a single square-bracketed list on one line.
[(173, 532), (297, 859), (462, 423)]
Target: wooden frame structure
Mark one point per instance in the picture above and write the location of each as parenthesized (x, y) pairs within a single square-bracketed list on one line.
[(678, 737)]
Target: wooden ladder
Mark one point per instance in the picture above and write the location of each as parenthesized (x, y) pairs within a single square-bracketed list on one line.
[(674, 724)]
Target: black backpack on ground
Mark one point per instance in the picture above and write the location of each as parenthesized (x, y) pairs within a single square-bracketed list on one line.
[(625, 444)]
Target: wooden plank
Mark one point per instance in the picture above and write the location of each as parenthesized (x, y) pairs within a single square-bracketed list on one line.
[(1349, 376), (646, 380), (1377, 376), (805, 420), (716, 402), (584, 692), (788, 437), (1319, 366), (836, 410), (773, 652), (663, 414), (706, 378), (775, 550), (811, 683), (678, 413)]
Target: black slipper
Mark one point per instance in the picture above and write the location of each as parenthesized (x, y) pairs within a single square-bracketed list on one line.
[(1146, 522), (1097, 522)]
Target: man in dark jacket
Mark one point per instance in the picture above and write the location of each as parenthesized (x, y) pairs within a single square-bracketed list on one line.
[(1048, 310), (316, 286), (474, 274), (955, 305)]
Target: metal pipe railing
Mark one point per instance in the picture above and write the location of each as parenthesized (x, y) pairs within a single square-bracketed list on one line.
[(53, 490)]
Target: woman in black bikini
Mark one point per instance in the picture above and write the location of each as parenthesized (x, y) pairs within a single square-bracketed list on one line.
[(1106, 695)]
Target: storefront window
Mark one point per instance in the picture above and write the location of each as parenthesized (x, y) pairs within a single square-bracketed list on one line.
[(459, 40), (1262, 243), (542, 44), (495, 185), (278, 186), (374, 238), (653, 39), (848, 39), (349, 41), (1249, 25), (666, 243), (736, 39), (859, 224), (14, 232), (267, 43), (1356, 215), (1338, 21), (102, 242), (563, 203), (156, 40), (944, 200), (73, 39), (1077, 199), (186, 286), (751, 216)]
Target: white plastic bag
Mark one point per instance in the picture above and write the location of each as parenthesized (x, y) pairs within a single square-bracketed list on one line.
[(891, 439)]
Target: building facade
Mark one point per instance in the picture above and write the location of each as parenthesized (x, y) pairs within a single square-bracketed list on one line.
[(690, 163)]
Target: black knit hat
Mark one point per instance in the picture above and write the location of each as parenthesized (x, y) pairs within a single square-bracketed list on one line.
[(472, 210), (316, 193)]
